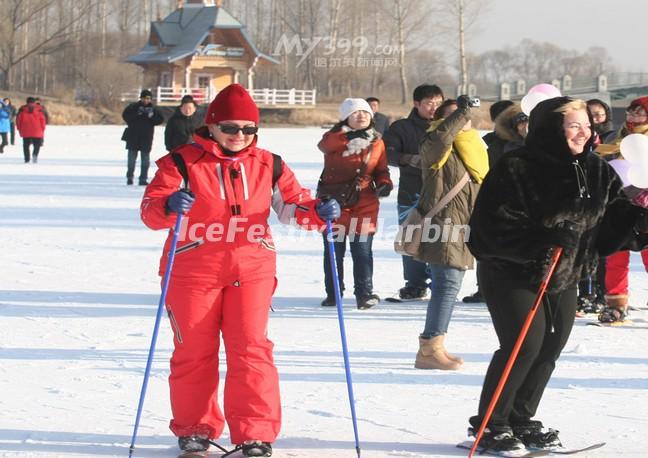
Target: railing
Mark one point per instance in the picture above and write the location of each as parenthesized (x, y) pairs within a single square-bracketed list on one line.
[(262, 97)]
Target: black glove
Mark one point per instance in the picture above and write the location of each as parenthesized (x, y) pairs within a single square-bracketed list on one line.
[(357, 134), (563, 235), (463, 101), (641, 224), (180, 201), (383, 190)]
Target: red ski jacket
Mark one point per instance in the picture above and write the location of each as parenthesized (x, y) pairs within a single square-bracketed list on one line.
[(225, 236), (31, 121)]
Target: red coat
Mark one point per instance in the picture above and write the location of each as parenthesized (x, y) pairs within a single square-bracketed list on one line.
[(232, 194), (31, 121), (339, 169)]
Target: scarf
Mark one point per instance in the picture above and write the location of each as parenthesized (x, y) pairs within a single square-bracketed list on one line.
[(471, 149)]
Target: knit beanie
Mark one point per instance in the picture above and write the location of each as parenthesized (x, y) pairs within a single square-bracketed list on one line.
[(187, 99), (640, 102), (232, 103), (146, 93), (350, 105)]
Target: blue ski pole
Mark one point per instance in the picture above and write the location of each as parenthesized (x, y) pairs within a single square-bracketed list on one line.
[(158, 318), (345, 350)]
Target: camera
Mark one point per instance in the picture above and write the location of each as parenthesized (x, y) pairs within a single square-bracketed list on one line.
[(467, 100)]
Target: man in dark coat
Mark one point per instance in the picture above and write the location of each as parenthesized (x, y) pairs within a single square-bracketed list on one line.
[(381, 121), (141, 118), (402, 142), (180, 128)]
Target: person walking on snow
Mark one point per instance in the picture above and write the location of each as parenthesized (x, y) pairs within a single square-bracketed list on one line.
[(31, 126), (553, 192), (224, 276), (354, 162)]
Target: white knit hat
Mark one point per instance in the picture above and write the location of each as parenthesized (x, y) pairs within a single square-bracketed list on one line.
[(350, 105)]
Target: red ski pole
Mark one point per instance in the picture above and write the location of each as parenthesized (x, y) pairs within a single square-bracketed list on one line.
[(557, 251)]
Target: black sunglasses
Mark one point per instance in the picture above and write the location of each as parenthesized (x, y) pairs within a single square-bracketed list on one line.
[(231, 129)]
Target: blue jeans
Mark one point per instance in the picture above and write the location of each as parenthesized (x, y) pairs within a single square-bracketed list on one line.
[(362, 256), (414, 272), (446, 282)]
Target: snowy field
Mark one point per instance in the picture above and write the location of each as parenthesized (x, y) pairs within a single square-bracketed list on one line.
[(79, 292)]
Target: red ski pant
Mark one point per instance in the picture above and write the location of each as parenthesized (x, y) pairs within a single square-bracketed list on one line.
[(199, 312), (616, 274)]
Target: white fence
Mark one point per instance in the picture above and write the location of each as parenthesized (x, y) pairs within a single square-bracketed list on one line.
[(263, 97)]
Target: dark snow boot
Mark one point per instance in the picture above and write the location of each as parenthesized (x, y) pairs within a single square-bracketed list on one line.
[(412, 292), (368, 301), (502, 441), (328, 302), (193, 443)]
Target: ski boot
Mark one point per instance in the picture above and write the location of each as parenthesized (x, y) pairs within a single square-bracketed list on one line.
[(502, 441), (536, 437), (195, 443)]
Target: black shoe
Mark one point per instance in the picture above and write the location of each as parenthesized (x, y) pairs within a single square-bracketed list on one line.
[(328, 302), (412, 292), (256, 448), (473, 298), (143, 182), (535, 436), (368, 301), (502, 441), (193, 443), (129, 181)]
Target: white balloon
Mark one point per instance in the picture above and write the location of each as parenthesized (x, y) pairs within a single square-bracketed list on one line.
[(634, 147), (621, 167), (638, 175), (530, 100)]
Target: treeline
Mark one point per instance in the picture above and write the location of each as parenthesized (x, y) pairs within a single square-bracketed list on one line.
[(339, 47)]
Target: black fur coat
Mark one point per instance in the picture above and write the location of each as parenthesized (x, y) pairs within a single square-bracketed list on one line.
[(533, 189)]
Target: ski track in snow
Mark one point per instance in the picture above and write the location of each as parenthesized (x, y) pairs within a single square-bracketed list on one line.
[(79, 292)]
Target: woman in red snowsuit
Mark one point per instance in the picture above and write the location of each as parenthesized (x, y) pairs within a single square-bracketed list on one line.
[(224, 273)]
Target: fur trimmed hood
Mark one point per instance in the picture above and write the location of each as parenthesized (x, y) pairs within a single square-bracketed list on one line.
[(504, 127)]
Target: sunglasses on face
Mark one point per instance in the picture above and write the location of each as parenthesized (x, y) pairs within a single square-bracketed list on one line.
[(231, 129)]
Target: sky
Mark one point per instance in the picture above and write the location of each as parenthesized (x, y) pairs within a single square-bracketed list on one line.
[(617, 25)]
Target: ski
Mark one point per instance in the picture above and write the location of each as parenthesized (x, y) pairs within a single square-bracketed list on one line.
[(574, 451), (398, 300), (467, 445), (613, 324), (530, 453)]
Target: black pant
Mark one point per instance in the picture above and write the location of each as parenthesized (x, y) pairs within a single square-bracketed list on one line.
[(548, 334), (13, 133), (594, 286), (4, 141), (36, 142), (144, 165)]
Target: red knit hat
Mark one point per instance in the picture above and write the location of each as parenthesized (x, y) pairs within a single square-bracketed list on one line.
[(232, 103), (640, 102)]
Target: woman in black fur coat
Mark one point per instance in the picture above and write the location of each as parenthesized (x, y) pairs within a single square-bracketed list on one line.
[(551, 192)]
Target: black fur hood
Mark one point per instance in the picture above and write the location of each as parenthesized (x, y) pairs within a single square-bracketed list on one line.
[(531, 190)]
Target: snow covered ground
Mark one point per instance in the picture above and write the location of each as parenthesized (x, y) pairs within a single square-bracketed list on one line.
[(79, 292)]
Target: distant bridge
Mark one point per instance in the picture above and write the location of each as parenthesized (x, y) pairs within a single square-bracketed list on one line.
[(619, 85)]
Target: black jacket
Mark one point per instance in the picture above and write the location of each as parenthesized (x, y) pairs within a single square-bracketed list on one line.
[(141, 120), (533, 189), (403, 138), (180, 128), (381, 123)]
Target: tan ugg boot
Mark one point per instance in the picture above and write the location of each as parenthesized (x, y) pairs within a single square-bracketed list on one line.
[(451, 357), (432, 355)]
